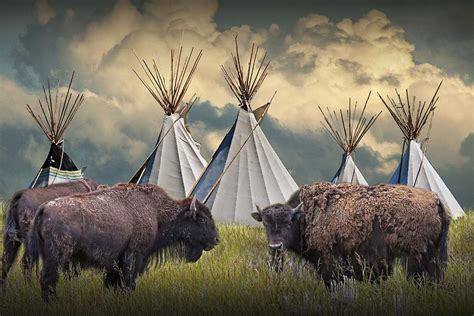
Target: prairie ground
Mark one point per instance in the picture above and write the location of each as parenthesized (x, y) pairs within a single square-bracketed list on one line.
[(234, 278)]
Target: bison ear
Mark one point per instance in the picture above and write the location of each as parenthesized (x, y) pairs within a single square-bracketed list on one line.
[(193, 207), (297, 212), (257, 215)]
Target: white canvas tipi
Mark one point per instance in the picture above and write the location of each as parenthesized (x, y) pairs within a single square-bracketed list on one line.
[(348, 129), (176, 162), (245, 171), (415, 169), (54, 117)]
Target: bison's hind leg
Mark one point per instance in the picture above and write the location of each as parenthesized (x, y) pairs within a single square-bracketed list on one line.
[(26, 266), (10, 251), (57, 253), (425, 267), (49, 278), (434, 266)]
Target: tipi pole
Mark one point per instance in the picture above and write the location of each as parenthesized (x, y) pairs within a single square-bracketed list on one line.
[(36, 178), (401, 161), (424, 150)]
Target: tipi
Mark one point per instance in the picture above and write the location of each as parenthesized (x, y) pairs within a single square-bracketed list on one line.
[(176, 162), (347, 129), (415, 169), (245, 171), (53, 119)]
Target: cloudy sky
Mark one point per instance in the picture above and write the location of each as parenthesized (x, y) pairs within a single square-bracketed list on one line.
[(323, 53)]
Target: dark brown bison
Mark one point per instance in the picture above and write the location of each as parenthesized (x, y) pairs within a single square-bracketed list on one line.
[(344, 229), (21, 212), (117, 229)]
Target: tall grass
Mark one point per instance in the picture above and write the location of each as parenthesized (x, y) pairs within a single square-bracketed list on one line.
[(234, 278)]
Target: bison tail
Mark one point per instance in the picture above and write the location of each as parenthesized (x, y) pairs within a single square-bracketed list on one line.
[(11, 228), (34, 238), (443, 238)]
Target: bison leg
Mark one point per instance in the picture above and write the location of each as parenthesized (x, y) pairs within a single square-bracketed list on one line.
[(112, 278), (433, 267), (329, 275), (71, 270), (427, 267), (26, 266), (278, 261), (132, 264), (49, 278), (415, 268), (10, 246), (385, 269)]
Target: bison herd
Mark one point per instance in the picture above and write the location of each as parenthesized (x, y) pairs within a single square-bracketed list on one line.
[(343, 229)]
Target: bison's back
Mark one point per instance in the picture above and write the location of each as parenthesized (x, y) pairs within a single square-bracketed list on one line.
[(345, 214), (25, 202), (34, 197)]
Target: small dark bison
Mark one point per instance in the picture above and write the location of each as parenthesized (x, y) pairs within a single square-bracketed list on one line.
[(117, 229), (344, 229), (21, 212)]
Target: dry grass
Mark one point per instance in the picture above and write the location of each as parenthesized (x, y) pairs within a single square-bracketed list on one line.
[(234, 279)]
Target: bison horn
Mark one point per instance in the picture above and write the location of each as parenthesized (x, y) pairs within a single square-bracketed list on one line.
[(257, 215), (193, 206), (297, 210)]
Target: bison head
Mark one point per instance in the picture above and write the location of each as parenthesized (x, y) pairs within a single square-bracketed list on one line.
[(282, 225), (197, 229)]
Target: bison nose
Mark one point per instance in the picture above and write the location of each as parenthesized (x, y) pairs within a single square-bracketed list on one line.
[(276, 246)]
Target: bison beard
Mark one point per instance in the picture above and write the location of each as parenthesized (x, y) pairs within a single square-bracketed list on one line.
[(117, 229), (21, 212), (344, 229)]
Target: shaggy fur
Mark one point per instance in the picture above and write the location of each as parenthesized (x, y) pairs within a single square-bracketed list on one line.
[(117, 229), (21, 212), (359, 226)]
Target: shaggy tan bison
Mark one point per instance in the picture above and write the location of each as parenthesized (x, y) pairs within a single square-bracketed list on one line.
[(21, 212), (344, 229), (117, 229)]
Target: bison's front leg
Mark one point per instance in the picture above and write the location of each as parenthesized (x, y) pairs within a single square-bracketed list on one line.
[(112, 278), (277, 262)]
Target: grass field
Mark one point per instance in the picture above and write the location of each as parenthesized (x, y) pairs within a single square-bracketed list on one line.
[(234, 279)]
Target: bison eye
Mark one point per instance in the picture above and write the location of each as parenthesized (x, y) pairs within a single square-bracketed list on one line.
[(202, 220)]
